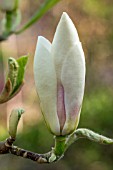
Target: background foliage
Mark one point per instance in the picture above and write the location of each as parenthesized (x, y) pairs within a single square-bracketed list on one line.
[(94, 21)]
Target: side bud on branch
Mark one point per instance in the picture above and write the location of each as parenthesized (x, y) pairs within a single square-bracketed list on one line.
[(13, 121), (59, 70), (12, 17)]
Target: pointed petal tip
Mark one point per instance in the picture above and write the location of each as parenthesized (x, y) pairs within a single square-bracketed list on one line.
[(65, 17), (44, 42), (67, 23), (40, 38)]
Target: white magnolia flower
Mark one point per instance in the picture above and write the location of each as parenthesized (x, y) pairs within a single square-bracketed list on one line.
[(59, 70)]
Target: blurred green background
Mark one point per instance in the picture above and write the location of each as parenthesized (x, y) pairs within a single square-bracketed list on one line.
[(94, 22)]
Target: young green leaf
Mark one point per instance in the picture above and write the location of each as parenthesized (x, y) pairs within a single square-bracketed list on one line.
[(13, 71), (15, 78), (22, 61)]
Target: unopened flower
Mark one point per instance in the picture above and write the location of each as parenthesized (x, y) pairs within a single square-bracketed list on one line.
[(14, 120), (8, 5), (59, 70)]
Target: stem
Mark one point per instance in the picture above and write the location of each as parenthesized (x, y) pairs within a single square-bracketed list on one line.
[(43, 9), (16, 4), (59, 145), (48, 4), (7, 147), (88, 134)]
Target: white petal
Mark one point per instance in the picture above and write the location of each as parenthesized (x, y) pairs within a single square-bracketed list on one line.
[(42, 41), (46, 85), (65, 36), (73, 80)]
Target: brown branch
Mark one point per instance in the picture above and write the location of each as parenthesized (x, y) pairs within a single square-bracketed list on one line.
[(7, 147), (56, 153), (39, 158)]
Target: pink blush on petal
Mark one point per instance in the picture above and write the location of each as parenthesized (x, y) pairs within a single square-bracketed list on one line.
[(75, 111), (61, 106)]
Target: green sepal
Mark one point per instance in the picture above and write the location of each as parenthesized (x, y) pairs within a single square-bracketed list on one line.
[(60, 142)]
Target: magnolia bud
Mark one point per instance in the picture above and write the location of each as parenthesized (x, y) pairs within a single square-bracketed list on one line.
[(8, 5), (59, 71), (14, 120)]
